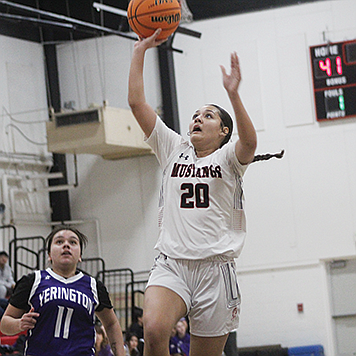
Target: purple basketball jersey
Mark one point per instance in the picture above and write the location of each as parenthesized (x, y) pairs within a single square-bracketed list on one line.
[(66, 322)]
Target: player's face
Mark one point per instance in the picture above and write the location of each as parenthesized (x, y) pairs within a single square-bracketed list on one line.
[(3, 260), (181, 330), (133, 342), (65, 248), (98, 339), (205, 127)]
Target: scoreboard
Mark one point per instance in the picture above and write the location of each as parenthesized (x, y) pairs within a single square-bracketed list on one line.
[(334, 80)]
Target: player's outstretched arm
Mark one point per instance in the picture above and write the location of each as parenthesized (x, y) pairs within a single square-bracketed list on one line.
[(113, 331), (16, 320), (143, 112), (246, 145)]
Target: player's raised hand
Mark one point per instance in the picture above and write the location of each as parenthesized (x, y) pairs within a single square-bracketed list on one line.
[(151, 41), (232, 81), (28, 320)]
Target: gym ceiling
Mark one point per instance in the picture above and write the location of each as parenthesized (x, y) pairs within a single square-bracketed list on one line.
[(28, 19)]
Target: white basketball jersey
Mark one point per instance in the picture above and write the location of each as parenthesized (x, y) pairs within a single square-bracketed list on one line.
[(201, 200)]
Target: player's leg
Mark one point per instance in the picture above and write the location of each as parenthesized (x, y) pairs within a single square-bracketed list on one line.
[(162, 309), (207, 346)]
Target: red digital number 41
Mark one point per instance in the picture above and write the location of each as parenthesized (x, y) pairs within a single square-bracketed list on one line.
[(326, 66)]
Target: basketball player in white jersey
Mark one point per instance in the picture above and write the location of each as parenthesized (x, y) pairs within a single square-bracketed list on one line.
[(201, 216)]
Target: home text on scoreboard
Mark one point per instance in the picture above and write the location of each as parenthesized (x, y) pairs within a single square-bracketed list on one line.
[(334, 80)]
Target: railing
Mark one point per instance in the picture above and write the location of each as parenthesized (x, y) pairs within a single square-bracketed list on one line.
[(27, 255), (92, 265), (139, 285), (119, 283)]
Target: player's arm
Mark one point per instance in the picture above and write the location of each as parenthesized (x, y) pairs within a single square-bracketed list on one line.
[(16, 320), (247, 142), (143, 112), (113, 330)]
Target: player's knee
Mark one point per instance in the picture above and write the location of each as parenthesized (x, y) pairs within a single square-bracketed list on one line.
[(154, 340), (156, 332)]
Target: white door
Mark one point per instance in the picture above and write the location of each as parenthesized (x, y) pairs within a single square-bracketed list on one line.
[(343, 297)]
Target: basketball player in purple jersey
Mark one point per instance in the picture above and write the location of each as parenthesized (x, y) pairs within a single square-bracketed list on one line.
[(58, 305), (201, 215)]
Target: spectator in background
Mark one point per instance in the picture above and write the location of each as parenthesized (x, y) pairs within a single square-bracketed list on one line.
[(102, 347), (172, 347), (136, 328), (7, 282), (180, 342), (3, 305), (131, 345)]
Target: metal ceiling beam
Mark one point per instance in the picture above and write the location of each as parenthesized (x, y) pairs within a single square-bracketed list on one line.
[(35, 20), (110, 9), (67, 19)]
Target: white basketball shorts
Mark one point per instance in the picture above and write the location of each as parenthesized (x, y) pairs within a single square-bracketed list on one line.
[(208, 287)]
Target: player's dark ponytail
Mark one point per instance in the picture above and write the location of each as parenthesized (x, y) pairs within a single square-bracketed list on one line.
[(267, 156)]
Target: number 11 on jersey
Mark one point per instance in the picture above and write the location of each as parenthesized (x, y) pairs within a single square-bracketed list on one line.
[(59, 322)]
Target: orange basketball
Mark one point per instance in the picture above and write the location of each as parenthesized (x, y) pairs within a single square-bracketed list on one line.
[(145, 16)]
